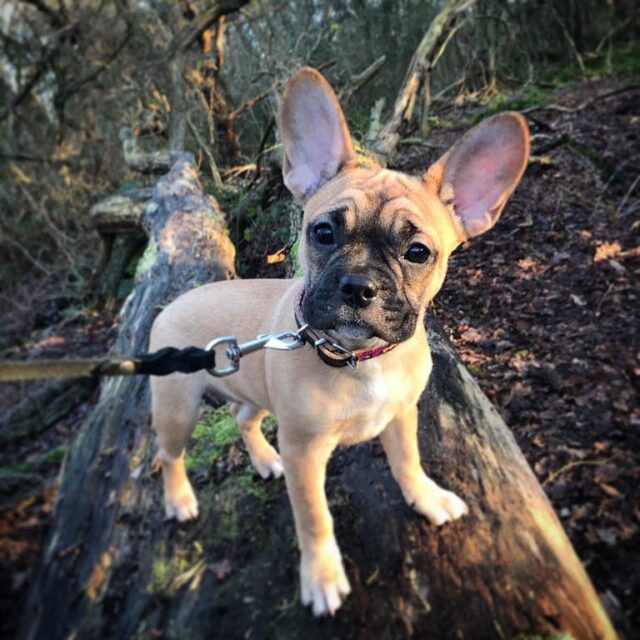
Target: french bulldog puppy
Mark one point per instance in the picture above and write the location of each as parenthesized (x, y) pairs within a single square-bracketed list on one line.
[(374, 250)]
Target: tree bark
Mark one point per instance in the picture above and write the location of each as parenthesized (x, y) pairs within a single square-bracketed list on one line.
[(42, 408), (114, 569), (424, 59)]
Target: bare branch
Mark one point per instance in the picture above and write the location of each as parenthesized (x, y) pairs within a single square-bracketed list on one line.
[(194, 30), (249, 104), (213, 167), (429, 51), (347, 93)]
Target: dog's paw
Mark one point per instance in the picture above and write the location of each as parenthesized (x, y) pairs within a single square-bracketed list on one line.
[(267, 463), (323, 581), (437, 504), (182, 506)]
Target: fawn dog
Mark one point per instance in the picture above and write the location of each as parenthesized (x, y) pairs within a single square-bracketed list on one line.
[(374, 250)]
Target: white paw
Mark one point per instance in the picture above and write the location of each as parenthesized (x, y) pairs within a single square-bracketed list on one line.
[(183, 506), (268, 464), (436, 504), (323, 582)]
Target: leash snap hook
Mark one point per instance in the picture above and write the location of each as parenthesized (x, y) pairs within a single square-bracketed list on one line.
[(232, 352), (287, 341)]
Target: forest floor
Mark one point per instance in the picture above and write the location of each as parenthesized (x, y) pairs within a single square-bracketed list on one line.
[(543, 311)]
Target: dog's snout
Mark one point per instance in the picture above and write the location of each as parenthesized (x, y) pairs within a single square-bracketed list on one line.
[(357, 290)]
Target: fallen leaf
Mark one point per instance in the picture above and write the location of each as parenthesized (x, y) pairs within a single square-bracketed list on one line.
[(609, 489), (474, 336), (606, 251), (277, 257)]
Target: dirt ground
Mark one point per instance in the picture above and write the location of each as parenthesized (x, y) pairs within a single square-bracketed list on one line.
[(543, 311)]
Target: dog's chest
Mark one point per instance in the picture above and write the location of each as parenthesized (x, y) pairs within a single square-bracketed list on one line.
[(376, 397)]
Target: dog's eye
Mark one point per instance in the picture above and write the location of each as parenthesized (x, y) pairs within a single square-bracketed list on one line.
[(417, 253), (323, 233)]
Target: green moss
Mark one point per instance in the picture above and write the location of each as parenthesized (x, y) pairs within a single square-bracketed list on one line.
[(147, 259), (173, 567), (162, 573), (258, 488), (243, 492), (358, 121), (294, 256), (128, 185), (530, 97), (216, 431), (594, 157), (55, 456), (269, 425), (476, 372), (52, 458), (622, 59)]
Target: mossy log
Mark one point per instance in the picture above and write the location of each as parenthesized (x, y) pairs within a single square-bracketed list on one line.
[(113, 568), (188, 246), (118, 220)]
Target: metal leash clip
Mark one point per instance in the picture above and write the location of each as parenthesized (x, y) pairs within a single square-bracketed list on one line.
[(286, 341)]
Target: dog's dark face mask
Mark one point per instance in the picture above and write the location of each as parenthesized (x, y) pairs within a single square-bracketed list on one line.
[(366, 269)]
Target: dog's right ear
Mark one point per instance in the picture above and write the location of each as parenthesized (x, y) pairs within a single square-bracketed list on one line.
[(315, 137)]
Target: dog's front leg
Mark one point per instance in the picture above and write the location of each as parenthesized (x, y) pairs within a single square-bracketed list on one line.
[(400, 443), (323, 581)]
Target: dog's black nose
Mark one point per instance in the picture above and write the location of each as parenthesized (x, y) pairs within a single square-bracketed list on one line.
[(357, 290)]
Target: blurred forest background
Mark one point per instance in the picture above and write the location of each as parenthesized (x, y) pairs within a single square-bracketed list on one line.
[(83, 83), (96, 95)]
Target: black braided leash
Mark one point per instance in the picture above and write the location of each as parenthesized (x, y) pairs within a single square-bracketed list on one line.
[(171, 360)]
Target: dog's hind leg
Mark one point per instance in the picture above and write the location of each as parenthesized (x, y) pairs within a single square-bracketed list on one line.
[(175, 406), (264, 458)]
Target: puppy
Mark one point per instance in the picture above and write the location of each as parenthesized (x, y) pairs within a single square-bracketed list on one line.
[(374, 251)]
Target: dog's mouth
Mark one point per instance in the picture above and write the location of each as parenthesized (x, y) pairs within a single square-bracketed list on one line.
[(354, 334), (351, 332), (361, 328)]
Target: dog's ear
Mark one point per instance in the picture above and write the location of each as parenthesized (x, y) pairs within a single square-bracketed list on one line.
[(315, 137), (479, 173)]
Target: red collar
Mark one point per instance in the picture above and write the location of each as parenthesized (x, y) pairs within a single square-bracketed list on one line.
[(332, 352)]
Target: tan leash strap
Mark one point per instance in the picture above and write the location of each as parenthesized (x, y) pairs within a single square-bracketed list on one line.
[(80, 368), (159, 363)]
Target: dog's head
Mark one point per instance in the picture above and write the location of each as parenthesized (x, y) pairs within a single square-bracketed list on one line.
[(375, 243)]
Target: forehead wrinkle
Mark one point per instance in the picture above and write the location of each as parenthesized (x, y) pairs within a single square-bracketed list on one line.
[(408, 211)]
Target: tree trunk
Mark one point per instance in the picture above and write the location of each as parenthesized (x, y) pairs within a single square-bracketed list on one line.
[(424, 59), (114, 569)]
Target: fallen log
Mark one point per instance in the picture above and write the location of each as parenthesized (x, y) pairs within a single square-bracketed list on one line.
[(188, 245), (114, 568)]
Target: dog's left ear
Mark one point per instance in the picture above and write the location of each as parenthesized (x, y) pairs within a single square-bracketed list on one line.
[(315, 137), (479, 173)]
